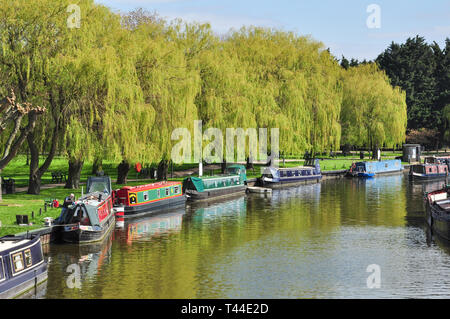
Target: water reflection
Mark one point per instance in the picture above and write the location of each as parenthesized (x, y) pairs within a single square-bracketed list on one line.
[(146, 228), (310, 241)]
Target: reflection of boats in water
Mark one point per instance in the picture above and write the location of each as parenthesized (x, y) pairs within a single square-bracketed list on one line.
[(148, 227), (212, 210), (85, 260)]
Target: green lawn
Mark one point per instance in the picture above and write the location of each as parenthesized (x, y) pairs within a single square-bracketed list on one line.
[(22, 203)]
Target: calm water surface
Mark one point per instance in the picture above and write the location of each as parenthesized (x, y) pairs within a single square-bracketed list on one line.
[(313, 241)]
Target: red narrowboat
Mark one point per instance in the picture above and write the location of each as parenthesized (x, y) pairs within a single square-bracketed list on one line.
[(433, 168), (136, 201)]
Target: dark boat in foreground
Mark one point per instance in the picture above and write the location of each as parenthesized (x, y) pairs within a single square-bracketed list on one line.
[(233, 182), (432, 168), (147, 199), (90, 218), (437, 208), (274, 177), (22, 265)]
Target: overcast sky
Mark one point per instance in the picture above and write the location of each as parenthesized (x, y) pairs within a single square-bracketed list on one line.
[(350, 28)]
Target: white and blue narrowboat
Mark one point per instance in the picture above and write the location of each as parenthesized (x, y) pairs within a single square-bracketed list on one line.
[(274, 177), (22, 265), (371, 169)]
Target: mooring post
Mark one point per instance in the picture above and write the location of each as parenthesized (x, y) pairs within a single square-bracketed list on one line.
[(40, 211), (45, 207), (32, 214)]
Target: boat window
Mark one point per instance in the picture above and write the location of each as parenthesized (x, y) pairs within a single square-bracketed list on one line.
[(430, 170), (145, 196), (2, 275), (18, 262), (167, 191), (28, 259), (159, 193)]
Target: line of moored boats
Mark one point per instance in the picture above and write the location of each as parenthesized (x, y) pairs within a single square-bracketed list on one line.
[(94, 215)]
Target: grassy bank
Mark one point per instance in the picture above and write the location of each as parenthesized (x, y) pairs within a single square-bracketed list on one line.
[(24, 204)]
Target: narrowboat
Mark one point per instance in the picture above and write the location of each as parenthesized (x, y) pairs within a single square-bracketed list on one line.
[(136, 201), (437, 208), (233, 182), (371, 169), (273, 177), (22, 265), (91, 217), (432, 168)]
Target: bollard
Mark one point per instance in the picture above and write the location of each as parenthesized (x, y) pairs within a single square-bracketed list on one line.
[(40, 211), (32, 214), (45, 207)]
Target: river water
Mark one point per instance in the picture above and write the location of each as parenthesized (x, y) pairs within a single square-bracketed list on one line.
[(311, 241)]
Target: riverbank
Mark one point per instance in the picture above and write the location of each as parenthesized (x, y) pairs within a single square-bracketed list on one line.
[(34, 205)]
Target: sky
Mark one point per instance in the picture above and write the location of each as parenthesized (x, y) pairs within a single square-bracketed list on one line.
[(351, 28)]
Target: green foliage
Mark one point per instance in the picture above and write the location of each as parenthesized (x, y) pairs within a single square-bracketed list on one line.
[(119, 85), (373, 113)]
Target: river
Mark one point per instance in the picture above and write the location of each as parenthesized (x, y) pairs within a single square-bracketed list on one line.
[(311, 241)]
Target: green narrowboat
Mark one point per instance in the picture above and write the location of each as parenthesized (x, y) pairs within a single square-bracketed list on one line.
[(234, 181)]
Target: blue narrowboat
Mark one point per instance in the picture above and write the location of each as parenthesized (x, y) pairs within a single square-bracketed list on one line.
[(371, 169), (273, 177), (22, 265)]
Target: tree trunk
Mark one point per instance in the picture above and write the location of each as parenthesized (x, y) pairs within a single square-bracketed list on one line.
[(1, 195), (223, 166), (36, 172), (73, 180), (34, 184), (162, 170), (97, 166), (122, 172)]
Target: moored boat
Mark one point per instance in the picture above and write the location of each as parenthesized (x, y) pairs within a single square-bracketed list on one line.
[(91, 217), (146, 199), (371, 169), (22, 265), (432, 168), (437, 208), (274, 177), (203, 188)]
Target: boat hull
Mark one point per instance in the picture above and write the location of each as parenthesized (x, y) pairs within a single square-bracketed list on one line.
[(20, 285), (289, 181), (215, 193), (150, 208), (439, 222), (419, 176), (78, 235)]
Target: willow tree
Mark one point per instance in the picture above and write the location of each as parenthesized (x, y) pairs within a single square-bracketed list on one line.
[(169, 83), (32, 34), (373, 112), (295, 87)]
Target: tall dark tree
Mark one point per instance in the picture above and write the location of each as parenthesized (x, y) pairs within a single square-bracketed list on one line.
[(412, 66)]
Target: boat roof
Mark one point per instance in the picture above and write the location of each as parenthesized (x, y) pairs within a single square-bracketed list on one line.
[(150, 186), (219, 176), (294, 168), (6, 245)]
